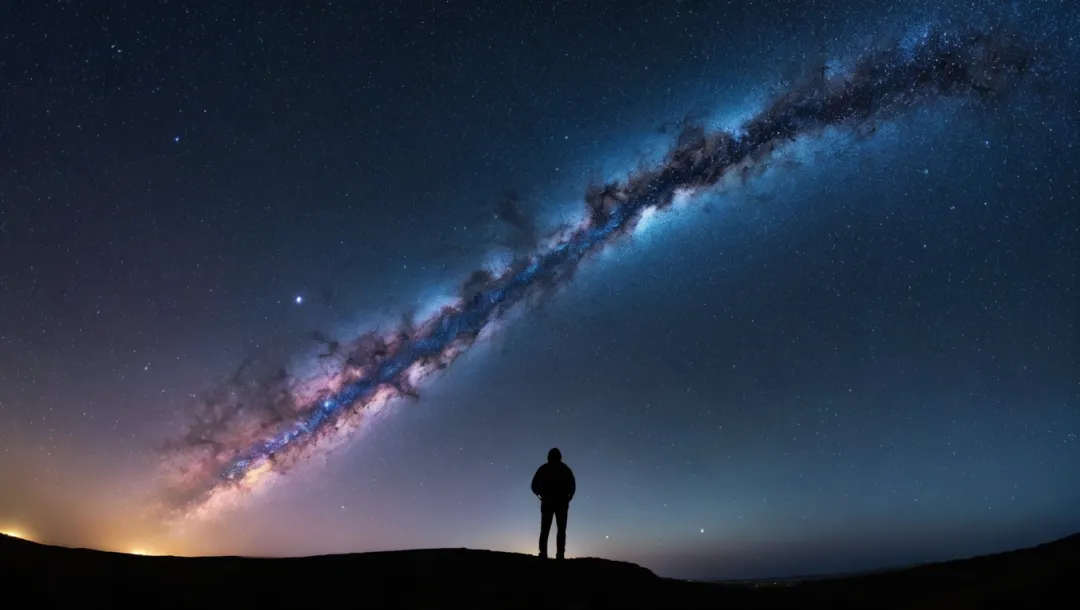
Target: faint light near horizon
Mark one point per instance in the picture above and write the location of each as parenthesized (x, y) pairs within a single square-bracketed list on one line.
[(139, 552), (15, 534)]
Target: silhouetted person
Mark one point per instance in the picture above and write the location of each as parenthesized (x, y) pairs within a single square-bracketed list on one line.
[(554, 484)]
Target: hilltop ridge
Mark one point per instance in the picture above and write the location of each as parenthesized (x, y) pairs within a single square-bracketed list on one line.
[(1040, 576)]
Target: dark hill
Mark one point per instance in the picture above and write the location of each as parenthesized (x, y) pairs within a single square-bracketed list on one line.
[(36, 574)]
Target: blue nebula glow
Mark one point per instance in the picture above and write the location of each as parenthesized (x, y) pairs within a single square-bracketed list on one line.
[(925, 64)]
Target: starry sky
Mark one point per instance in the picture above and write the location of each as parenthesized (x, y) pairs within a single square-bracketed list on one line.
[(866, 355)]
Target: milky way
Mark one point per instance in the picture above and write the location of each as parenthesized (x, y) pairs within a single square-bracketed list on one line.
[(247, 430)]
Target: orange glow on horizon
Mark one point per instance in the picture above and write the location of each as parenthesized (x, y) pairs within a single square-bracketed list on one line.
[(15, 534)]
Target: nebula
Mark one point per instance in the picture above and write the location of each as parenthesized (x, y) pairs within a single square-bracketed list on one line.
[(249, 429)]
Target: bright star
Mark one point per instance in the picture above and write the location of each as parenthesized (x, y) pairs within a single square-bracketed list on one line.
[(176, 139), (299, 300)]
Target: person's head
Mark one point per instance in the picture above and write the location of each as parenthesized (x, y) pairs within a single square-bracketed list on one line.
[(554, 455)]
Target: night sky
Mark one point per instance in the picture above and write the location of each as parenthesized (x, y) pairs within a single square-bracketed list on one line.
[(863, 353)]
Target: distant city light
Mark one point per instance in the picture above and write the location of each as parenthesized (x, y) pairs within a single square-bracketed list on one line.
[(15, 534)]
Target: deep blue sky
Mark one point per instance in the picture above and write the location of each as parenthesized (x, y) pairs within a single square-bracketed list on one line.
[(867, 355)]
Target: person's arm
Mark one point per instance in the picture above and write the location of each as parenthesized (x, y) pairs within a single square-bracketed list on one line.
[(573, 484), (536, 483)]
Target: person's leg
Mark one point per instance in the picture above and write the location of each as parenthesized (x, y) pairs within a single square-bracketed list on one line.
[(560, 536), (545, 527)]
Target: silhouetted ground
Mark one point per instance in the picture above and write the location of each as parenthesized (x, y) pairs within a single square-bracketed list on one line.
[(34, 574)]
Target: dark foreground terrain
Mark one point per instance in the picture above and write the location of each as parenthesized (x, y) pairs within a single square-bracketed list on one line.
[(35, 575)]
